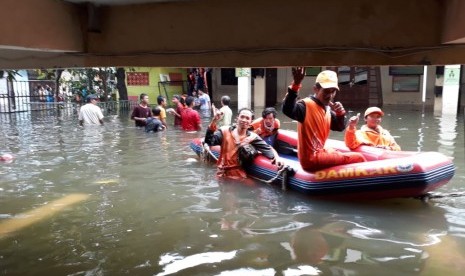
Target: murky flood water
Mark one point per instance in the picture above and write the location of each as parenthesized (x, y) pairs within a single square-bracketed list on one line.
[(115, 200)]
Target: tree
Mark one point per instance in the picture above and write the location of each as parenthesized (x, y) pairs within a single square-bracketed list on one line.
[(121, 83), (10, 74), (96, 80)]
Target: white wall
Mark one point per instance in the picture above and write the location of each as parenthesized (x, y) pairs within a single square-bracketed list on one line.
[(408, 98), (284, 79)]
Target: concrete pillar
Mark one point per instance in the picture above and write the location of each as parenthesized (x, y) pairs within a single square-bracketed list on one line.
[(244, 87), (259, 92), (450, 91)]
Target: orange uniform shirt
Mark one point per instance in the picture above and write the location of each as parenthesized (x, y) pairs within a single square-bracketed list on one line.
[(367, 136), (258, 126), (313, 132)]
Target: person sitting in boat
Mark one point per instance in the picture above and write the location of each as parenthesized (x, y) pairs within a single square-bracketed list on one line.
[(371, 134), (235, 139), (267, 126), (316, 116)]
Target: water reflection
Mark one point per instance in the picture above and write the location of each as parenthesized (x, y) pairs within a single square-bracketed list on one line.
[(447, 133), (421, 134), (175, 263), (341, 240), (153, 208)]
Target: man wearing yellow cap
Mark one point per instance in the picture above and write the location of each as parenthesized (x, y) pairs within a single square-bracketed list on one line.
[(316, 116), (371, 134)]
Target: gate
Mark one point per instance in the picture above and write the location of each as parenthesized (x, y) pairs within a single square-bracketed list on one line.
[(21, 96)]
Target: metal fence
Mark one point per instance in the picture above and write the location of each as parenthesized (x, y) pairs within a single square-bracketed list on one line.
[(16, 96), (107, 107), (22, 96)]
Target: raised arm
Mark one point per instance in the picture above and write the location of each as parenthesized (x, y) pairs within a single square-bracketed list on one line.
[(293, 108), (213, 136)]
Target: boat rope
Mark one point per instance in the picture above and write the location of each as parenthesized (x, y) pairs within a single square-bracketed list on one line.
[(285, 171), (426, 197), (206, 154)]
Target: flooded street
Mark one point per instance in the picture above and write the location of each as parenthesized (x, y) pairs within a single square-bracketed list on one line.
[(115, 200)]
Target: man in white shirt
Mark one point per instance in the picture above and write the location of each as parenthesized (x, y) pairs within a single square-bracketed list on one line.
[(205, 104), (90, 113), (225, 111)]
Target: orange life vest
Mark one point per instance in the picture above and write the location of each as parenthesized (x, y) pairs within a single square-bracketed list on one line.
[(228, 162), (313, 132), (370, 137), (263, 131)]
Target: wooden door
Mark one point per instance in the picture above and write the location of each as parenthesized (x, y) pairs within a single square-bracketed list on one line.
[(353, 85)]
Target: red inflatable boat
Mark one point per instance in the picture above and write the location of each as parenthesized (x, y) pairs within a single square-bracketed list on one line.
[(387, 174)]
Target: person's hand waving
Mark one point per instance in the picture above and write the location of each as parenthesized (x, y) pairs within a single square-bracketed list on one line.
[(353, 121), (298, 73)]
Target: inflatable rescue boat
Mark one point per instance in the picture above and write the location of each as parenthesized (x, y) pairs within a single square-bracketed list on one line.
[(387, 174)]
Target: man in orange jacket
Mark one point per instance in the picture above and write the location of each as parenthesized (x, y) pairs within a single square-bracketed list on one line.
[(267, 126), (231, 139), (316, 116), (371, 134)]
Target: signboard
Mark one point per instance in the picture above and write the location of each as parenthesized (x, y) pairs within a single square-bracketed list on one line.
[(243, 72), (450, 91), (452, 75)]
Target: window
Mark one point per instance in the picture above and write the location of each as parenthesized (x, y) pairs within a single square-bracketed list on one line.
[(406, 83), (361, 75), (343, 75), (138, 78), (405, 70), (175, 79)]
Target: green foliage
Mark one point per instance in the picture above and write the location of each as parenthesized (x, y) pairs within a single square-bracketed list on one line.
[(45, 74), (97, 80), (11, 74)]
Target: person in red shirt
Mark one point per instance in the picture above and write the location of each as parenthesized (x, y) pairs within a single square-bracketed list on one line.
[(190, 117), (316, 116), (267, 126), (178, 109)]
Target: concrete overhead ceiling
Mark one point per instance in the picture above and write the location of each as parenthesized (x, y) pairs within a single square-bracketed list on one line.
[(209, 33), (119, 2)]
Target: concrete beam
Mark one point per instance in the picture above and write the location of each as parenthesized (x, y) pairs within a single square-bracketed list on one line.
[(454, 22), (240, 33), (44, 25)]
